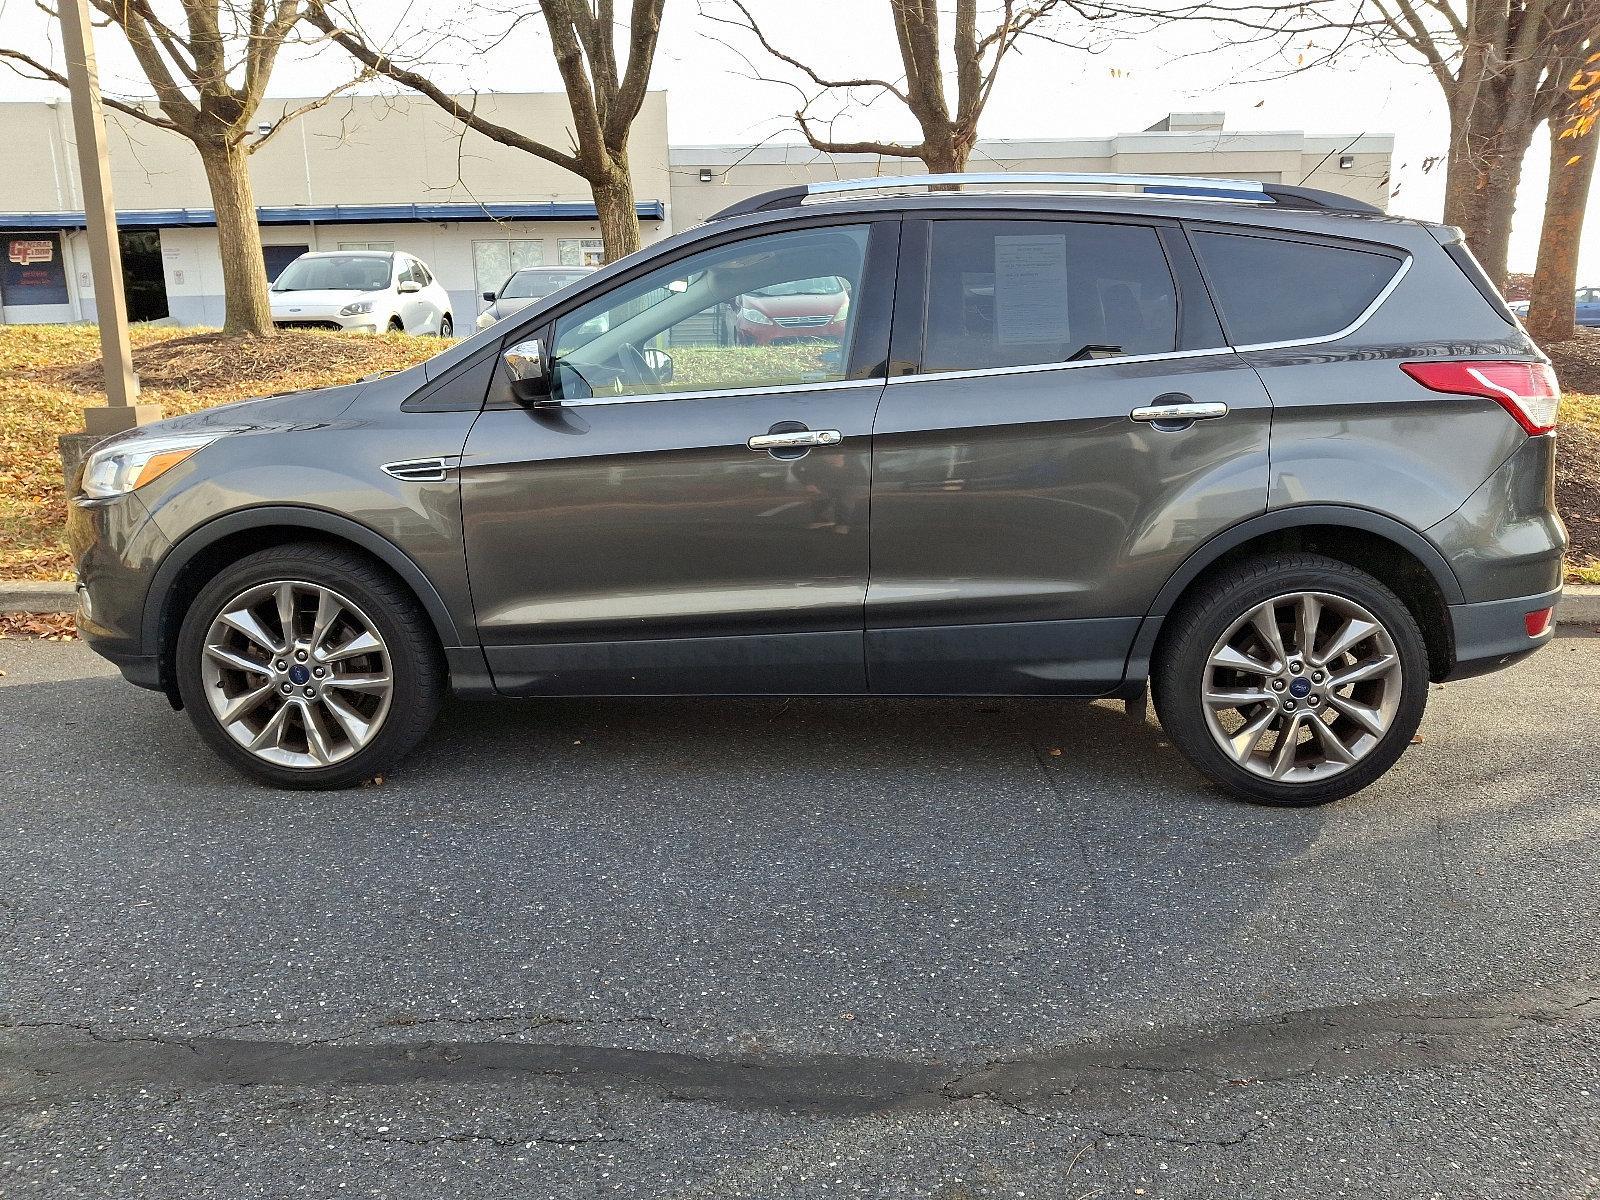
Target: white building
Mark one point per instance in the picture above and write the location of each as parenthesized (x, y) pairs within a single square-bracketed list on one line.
[(378, 172)]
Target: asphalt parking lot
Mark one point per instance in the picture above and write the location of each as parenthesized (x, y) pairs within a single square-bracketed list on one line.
[(719, 949)]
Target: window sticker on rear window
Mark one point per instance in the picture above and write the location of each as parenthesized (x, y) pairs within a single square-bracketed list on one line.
[(1030, 289)]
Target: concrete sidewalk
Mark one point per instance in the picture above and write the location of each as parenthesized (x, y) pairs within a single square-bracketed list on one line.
[(1579, 606)]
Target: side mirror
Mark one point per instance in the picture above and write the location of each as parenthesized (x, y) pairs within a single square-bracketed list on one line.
[(408, 286), (489, 297), (530, 376)]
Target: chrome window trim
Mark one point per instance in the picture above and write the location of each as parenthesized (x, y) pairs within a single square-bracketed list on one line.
[(777, 389), (1028, 368), (1366, 315)]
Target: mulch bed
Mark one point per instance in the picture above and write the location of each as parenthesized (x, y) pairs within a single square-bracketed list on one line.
[(208, 361), (1577, 362), (1578, 489)]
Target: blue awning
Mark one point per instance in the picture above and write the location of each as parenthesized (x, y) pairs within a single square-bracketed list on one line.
[(338, 214)]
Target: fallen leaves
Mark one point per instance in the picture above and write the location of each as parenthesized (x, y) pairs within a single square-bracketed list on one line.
[(49, 627)]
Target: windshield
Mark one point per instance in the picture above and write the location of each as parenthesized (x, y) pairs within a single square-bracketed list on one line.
[(826, 285), (535, 285), (335, 273)]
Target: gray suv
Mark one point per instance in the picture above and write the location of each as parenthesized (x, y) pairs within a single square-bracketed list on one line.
[(1283, 456)]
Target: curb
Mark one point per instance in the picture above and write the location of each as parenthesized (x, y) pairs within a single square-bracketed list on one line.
[(20, 596), (1580, 603)]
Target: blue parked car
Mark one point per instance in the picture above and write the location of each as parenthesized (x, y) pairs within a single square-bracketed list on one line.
[(1588, 307)]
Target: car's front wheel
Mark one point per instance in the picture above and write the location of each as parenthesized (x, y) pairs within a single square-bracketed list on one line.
[(1294, 681), (308, 666), (447, 327)]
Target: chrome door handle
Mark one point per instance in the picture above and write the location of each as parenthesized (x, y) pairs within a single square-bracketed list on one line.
[(1191, 411), (795, 439)]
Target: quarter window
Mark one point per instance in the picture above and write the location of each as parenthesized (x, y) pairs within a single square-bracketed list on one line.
[(1017, 293), (1276, 290), (771, 311)]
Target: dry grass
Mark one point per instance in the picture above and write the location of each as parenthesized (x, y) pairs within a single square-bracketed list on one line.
[(48, 373)]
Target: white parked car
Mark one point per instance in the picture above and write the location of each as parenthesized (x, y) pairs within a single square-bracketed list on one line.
[(361, 291)]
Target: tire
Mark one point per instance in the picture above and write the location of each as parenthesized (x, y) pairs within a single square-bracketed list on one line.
[(364, 710), (447, 327), (396, 325), (1218, 645)]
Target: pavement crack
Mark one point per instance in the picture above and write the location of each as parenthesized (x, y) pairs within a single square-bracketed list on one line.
[(499, 1140)]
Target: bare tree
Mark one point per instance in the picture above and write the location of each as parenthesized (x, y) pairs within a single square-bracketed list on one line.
[(208, 63), (1498, 63), (604, 94), (1574, 142), (948, 123)]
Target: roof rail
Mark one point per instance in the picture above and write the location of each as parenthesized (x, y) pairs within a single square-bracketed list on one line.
[(1185, 187)]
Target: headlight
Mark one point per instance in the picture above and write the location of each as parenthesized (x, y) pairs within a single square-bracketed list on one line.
[(356, 307), (753, 316), (127, 465)]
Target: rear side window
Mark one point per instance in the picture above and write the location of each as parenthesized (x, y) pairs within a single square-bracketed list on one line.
[(1017, 293), (1272, 290)]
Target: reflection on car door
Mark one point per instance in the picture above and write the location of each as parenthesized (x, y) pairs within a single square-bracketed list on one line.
[(1023, 515), (692, 518)]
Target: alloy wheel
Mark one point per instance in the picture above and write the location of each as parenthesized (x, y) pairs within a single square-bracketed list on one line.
[(1302, 686), (297, 674)]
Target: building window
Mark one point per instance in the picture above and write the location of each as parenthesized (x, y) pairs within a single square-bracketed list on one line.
[(277, 258), (33, 271), (582, 252), (494, 262), (382, 247)]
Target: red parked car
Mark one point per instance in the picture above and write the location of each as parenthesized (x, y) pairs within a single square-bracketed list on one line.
[(801, 311)]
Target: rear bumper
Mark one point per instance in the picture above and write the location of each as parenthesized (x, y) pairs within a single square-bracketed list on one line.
[(1494, 633)]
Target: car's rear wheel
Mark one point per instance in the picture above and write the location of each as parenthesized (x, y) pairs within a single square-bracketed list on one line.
[(1292, 681), (308, 666)]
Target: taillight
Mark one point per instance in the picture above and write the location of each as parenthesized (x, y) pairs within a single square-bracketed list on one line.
[(1526, 390), (1537, 621)]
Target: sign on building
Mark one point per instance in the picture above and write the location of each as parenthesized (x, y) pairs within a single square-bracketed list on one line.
[(34, 272)]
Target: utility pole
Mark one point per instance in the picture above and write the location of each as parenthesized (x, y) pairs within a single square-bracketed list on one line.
[(122, 410)]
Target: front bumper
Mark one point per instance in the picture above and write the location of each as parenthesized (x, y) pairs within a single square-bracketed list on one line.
[(116, 545), (1494, 634)]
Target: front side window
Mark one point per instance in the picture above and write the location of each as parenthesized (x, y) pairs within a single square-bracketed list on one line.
[(1276, 290), (770, 311), (1019, 293)]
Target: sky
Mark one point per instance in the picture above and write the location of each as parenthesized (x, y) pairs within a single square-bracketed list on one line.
[(1047, 91)]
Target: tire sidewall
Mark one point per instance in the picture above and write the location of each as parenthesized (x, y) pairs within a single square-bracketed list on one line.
[(407, 666), (1180, 682)]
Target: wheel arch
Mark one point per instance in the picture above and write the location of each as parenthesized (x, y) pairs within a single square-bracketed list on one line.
[(1391, 551), (224, 539)]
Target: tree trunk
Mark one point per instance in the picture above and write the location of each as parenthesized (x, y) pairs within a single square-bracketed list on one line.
[(619, 217), (1484, 169), (247, 312), (1551, 310)]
